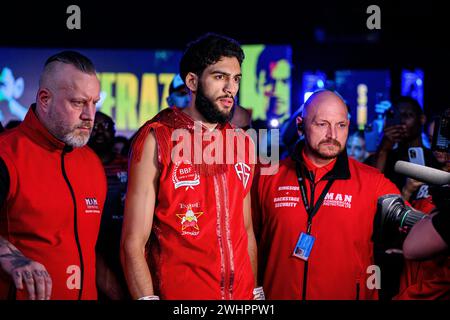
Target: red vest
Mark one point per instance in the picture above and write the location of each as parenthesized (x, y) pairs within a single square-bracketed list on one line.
[(338, 266), (42, 218), (199, 247)]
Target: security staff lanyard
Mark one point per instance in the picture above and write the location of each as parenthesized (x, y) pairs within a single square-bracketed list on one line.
[(310, 210)]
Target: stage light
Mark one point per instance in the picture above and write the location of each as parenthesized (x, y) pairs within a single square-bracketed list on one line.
[(320, 83), (312, 81), (274, 123), (307, 95)]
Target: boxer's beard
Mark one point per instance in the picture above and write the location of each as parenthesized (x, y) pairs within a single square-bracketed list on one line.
[(209, 110)]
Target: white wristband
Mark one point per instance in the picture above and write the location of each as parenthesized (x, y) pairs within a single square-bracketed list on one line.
[(258, 294), (149, 298)]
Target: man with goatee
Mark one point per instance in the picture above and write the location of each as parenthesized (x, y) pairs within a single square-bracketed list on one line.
[(314, 218)]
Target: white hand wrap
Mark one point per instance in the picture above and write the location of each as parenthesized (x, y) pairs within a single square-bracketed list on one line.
[(258, 294), (149, 298)]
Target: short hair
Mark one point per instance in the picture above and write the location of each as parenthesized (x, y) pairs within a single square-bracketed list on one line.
[(411, 101), (74, 58), (79, 61), (207, 50)]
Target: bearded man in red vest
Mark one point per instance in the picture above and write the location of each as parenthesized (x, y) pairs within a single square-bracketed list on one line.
[(52, 188), (196, 213), (314, 218)]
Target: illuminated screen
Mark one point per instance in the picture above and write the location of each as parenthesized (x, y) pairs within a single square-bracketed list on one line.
[(362, 90), (266, 81), (412, 84), (134, 83)]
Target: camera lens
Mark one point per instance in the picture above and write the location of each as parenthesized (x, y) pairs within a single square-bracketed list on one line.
[(395, 215)]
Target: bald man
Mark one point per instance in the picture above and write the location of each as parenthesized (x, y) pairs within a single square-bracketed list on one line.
[(52, 188), (313, 219)]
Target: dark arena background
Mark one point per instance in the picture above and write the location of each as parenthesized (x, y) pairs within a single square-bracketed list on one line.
[(326, 44), (136, 47)]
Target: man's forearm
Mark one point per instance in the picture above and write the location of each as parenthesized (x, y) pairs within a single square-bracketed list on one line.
[(10, 256), (423, 241), (137, 273), (24, 272), (253, 254), (381, 158)]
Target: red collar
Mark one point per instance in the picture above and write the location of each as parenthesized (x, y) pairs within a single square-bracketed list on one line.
[(177, 118), (318, 172), (37, 132)]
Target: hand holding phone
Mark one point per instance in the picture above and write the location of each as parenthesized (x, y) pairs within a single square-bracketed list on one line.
[(392, 118), (441, 134)]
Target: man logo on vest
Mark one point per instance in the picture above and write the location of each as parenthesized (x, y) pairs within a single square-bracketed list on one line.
[(243, 172), (338, 200), (189, 222), (184, 175), (91, 205)]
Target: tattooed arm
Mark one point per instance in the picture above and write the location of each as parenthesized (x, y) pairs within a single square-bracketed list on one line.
[(25, 271)]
